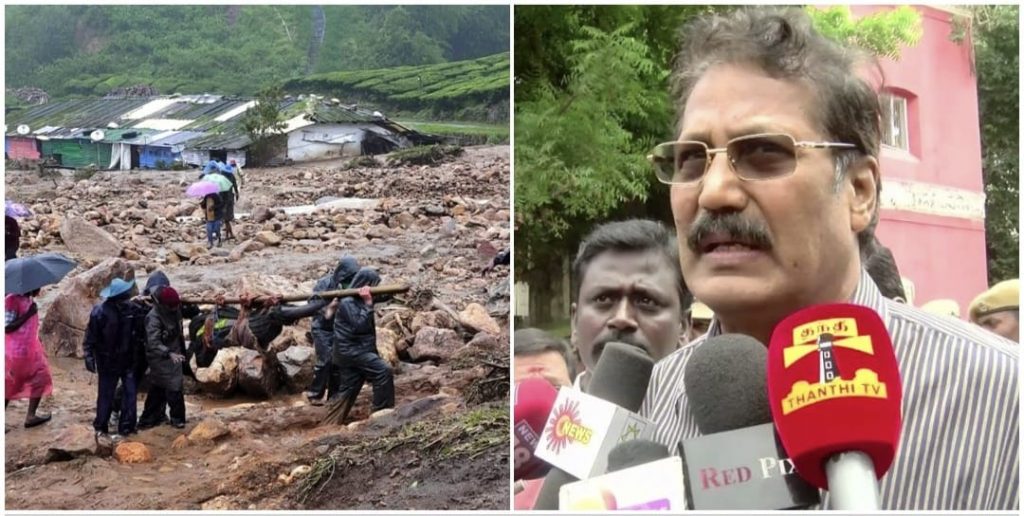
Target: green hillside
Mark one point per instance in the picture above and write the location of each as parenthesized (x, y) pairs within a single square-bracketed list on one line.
[(88, 50), (464, 90)]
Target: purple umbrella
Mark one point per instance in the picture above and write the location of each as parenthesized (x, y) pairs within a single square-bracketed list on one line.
[(202, 189), (13, 209)]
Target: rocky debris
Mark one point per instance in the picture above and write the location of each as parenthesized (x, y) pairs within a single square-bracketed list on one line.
[(261, 214), (245, 247), (297, 367), (268, 238), (221, 377), (132, 453), (387, 346), (256, 376), (31, 95), (435, 319), (434, 344), (476, 317), (87, 240), (180, 442), (208, 431), (62, 330), (138, 90), (187, 251), (75, 441)]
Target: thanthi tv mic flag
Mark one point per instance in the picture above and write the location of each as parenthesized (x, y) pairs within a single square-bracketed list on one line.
[(582, 429)]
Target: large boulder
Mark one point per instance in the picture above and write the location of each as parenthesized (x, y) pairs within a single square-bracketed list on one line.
[(435, 344), (297, 365), (245, 247), (208, 431), (87, 240), (256, 376), (433, 319), (476, 317), (62, 329), (132, 453), (221, 377), (268, 238), (387, 341), (75, 441)]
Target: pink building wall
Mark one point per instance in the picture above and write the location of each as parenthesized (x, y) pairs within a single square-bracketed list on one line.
[(938, 235)]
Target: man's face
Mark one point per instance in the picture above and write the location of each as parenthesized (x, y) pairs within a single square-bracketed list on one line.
[(547, 365), (798, 247), (1005, 323), (628, 297)]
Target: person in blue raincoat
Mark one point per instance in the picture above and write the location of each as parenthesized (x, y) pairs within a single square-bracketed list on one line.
[(110, 353)]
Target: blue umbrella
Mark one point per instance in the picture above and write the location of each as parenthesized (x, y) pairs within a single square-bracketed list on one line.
[(26, 274)]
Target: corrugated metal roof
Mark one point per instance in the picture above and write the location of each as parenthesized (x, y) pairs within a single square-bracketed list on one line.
[(204, 121), (177, 138), (89, 113)]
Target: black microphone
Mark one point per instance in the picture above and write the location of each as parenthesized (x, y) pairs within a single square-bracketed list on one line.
[(620, 377), (634, 453), (738, 463)]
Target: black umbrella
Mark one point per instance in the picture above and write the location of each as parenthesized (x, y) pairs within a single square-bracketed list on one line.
[(26, 274)]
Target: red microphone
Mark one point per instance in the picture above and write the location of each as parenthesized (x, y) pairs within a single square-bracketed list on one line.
[(835, 394), (533, 400)]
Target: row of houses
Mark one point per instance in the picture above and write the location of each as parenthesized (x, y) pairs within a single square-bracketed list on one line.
[(157, 132)]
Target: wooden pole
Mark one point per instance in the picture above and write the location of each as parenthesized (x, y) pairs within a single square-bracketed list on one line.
[(330, 294)]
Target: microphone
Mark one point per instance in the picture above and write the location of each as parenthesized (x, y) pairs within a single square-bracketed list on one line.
[(835, 394), (634, 453), (533, 399), (582, 427), (737, 463), (628, 484)]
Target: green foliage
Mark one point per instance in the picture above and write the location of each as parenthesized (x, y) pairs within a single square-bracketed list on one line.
[(465, 132), (592, 99), (263, 121), (881, 33), (81, 50), (997, 60), (445, 86), (424, 155)]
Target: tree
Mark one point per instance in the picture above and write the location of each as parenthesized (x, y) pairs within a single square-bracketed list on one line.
[(997, 51), (592, 99), (263, 122)]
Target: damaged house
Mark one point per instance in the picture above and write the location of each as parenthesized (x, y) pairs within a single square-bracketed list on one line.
[(189, 130)]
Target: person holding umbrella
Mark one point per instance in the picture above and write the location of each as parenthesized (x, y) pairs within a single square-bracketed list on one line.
[(213, 207), (27, 373), (12, 231)]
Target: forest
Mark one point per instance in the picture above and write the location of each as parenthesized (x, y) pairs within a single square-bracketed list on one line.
[(70, 51)]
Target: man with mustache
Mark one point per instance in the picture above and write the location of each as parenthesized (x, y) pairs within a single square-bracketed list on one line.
[(774, 183), (629, 289)]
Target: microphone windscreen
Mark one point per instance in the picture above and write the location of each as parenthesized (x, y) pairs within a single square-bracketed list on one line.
[(834, 386), (634, 453), (621, 376), (533, 399), (725, 384)]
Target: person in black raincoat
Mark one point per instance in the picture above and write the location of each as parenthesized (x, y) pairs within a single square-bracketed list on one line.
[(108, 347), (325, 375), (165, 352), (355, 345), (140, 306)]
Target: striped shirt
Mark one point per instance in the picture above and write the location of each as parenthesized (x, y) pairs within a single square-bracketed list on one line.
[(959, 446)]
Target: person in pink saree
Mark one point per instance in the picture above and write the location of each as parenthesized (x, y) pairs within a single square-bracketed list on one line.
[(27, 371)]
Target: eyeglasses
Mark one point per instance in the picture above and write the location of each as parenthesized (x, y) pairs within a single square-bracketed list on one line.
[(753, 157)]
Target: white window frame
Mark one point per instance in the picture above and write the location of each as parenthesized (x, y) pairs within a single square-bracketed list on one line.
[(895, 121)]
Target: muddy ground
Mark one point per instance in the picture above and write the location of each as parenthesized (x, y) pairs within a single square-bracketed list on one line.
[(444, 446)]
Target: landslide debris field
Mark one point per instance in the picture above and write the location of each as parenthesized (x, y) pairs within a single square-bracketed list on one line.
[(252, 440)]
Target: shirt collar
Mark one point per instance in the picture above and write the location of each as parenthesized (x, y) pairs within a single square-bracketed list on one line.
[(866, 294)]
